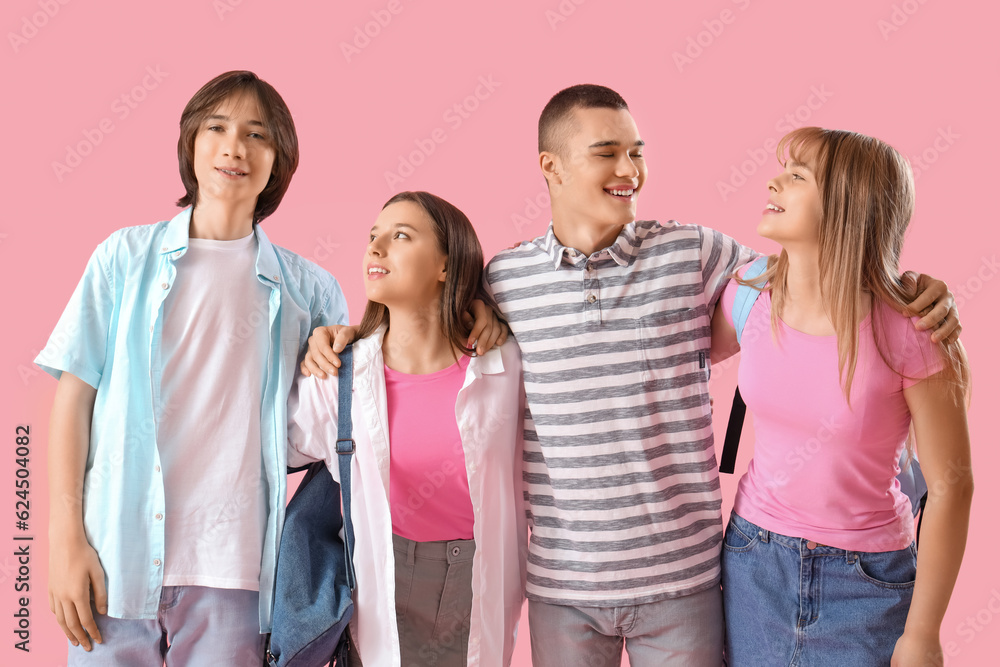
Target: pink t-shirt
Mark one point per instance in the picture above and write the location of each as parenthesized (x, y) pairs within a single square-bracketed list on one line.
[(428, 488), (821, 469)]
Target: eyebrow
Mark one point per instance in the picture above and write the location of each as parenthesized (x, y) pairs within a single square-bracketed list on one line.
[(255, 123), (798, 165), (398, 225), (602, 144)]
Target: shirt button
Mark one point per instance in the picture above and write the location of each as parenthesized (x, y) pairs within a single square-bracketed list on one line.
[(156, 562), (150, 328), (159, 517), (811, 545), (275, 278), (165, 285), (591, 298), (157, 468)]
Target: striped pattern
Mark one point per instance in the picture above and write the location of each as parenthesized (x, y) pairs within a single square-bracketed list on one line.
[(620, 474)]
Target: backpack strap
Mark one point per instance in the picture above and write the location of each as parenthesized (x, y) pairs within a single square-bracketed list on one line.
[(746, 296), (345, 452)]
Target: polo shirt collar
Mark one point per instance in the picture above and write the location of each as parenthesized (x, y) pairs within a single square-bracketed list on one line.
[(621, 251)]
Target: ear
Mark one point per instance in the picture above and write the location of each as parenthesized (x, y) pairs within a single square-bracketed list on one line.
[(551, 167), (443, 275)]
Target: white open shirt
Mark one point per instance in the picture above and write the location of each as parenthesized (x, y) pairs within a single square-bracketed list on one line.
[(489, 410)]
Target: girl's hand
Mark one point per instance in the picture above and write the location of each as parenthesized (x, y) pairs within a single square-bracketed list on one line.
[(917, 651)]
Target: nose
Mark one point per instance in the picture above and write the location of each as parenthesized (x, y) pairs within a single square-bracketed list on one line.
[(234, 146), (375, 247), (772, 185), (626, 168)]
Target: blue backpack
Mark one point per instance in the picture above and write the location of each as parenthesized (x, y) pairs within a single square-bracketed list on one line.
[(315, 571), (911, 479)]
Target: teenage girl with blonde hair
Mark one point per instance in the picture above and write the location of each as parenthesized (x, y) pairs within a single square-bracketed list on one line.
[(819, 561)]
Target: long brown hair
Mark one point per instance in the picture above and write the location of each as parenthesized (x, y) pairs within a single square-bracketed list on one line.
[(463, 280), (866, 189), (277, 120)]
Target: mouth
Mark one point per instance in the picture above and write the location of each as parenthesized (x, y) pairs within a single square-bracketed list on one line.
[(773, 208), (375, 272), (235, 173), (622, 194)]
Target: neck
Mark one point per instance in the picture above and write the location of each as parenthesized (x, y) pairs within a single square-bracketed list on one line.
[(221, 221), (588, 238), (415, 342), (803, 279)]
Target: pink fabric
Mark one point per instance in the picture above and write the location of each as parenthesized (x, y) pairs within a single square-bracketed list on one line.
[(428, 487), (821, 469)]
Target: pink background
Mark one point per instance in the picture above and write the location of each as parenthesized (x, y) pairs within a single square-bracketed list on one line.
[(918, 74)]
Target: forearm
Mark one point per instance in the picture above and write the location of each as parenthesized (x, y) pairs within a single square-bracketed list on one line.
[(69, 442), (944, 530)]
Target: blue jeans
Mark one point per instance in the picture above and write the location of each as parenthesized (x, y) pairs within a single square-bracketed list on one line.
[(789, 601), (196, 626)]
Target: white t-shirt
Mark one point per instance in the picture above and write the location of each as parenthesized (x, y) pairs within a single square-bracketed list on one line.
[(214, 347)]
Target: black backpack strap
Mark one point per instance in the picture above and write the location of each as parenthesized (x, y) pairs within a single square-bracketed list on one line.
[(733, 431)]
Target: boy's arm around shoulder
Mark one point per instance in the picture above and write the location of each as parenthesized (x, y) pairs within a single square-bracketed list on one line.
[(74, 567)]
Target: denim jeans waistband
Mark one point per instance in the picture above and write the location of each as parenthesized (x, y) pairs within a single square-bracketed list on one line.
[(799, 544)]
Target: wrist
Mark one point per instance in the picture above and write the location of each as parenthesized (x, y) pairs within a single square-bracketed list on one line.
[(66, 531), (924, 631)]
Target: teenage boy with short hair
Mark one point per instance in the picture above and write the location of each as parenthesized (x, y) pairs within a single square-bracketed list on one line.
[(175, 357)]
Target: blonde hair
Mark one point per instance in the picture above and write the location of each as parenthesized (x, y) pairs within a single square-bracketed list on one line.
[(866, 189)]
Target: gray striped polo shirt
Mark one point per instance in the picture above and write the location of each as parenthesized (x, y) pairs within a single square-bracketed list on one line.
[(620, 476)]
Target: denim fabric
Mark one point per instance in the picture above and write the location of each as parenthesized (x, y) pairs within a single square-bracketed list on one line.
[(789, 601), (195, 626)]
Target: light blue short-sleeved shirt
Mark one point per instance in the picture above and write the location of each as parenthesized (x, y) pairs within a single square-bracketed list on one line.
[(110, 336)]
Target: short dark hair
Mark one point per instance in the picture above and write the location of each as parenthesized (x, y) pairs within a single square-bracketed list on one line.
[(551, 124), (463, 280), (277, 120)]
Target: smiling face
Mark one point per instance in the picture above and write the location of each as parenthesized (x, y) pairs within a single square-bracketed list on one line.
[(404, 264), (596, 175), (794, 210), (233, 156)]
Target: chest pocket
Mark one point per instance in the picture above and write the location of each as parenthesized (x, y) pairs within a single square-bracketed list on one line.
[(673, 350)]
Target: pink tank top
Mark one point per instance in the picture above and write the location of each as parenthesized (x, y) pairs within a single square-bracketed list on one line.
[(428, 488)]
